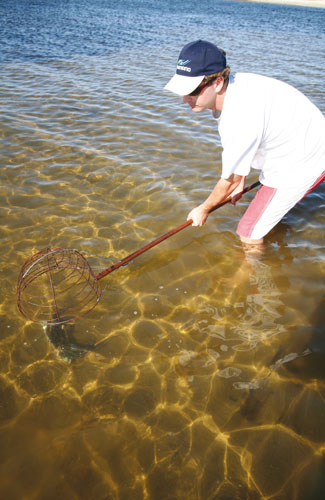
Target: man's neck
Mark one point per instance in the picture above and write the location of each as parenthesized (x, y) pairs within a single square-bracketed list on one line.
[(221, 97)]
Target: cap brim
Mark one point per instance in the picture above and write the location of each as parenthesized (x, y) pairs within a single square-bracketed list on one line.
[(183, 85)]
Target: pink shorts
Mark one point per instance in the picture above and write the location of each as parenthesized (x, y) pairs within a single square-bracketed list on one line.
[(269, 206)]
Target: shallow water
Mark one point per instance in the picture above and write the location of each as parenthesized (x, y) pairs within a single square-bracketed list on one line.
[(208, 379)]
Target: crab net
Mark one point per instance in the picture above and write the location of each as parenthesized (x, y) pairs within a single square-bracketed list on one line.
[(57, 286)]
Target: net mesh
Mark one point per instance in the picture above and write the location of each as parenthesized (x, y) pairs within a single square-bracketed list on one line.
[(57, 286)]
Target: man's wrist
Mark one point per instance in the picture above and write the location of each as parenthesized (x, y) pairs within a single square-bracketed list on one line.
[(207, 206)]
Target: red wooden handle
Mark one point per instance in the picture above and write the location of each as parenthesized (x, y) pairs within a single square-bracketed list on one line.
[(155, 242)]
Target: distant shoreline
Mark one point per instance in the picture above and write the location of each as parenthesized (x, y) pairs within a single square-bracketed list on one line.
[(320, 4)]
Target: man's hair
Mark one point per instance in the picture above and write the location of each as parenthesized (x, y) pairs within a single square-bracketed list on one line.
[(224, 73)]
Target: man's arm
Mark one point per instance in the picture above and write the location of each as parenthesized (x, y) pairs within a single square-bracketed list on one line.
[(222, 190)]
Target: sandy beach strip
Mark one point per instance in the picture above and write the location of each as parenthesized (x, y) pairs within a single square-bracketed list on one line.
[(320, 4)]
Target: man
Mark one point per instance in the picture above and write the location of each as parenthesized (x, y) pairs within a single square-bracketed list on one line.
[(264, 124)]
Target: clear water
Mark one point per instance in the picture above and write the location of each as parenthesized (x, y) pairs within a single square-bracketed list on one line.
[(209, 381)]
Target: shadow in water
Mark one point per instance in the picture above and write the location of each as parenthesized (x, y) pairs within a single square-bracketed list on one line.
[(68, 348), (313, 366)]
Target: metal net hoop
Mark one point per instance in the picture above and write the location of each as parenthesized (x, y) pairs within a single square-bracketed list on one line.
[(57, 286)]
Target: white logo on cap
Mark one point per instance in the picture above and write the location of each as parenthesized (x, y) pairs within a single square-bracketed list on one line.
[(181, 64)]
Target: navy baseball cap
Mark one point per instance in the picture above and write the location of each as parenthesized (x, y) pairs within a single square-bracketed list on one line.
[(196, 60)]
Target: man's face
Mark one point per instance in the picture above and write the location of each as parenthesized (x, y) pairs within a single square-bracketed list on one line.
[(205, 98)]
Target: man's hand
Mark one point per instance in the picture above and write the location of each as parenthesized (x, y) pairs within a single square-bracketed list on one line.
[(198, 215)]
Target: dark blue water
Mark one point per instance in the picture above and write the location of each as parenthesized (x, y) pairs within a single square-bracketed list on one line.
[(38, 30)]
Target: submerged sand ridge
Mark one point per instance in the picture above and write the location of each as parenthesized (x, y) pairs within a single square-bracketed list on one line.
[(320, 4)]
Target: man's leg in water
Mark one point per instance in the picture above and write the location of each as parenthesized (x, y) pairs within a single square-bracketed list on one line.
[(267, 208)]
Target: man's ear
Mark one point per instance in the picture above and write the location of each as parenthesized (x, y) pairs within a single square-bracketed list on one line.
[(218, 83)]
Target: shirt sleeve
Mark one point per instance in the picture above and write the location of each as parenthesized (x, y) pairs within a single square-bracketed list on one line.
[(240, 142), (241, 127)]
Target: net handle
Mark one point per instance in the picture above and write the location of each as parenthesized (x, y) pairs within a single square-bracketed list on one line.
[(170, 233)]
